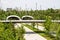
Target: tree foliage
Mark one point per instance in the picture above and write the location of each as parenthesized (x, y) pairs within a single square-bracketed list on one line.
[(37, 14)]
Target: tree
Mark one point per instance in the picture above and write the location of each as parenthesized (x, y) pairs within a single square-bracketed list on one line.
[(47, 23)]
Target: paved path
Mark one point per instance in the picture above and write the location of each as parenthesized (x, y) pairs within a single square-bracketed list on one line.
[(40, 27), (30, 35)]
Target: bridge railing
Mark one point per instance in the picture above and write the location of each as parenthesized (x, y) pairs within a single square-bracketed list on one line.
[(28, 21)]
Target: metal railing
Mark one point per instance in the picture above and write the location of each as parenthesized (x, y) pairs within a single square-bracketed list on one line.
[(28, 21)]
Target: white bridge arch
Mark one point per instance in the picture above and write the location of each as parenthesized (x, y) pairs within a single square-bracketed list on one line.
[(13, 17), (27, 17)]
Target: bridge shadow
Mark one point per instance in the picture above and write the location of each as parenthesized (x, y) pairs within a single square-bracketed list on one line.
[(34, 32), (30, 33)]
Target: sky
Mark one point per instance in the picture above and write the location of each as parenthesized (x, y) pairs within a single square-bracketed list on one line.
[(30, 4)]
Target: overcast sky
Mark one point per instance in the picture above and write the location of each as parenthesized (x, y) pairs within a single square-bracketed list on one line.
[(30, 4)]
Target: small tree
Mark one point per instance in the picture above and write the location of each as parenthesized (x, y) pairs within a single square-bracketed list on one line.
[(47, 23)]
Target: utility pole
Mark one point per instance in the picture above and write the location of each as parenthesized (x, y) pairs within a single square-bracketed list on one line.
[(54, 3), (40, 7), (0, 4), (36, 5), (26, 8)]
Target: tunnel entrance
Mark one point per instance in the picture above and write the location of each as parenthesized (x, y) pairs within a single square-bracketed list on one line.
[(13, 17), (27, 18)]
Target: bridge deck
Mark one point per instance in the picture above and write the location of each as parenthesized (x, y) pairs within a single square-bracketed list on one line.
[(27, 21)]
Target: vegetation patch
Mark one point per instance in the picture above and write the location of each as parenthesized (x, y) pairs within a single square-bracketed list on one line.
[(8, 32)]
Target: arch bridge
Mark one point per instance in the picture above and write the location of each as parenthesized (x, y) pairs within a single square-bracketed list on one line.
[(17, 19)]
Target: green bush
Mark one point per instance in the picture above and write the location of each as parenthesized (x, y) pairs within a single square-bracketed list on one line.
[(47, 23), (8, 32)]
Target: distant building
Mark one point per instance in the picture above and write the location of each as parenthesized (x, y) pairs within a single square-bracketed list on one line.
[(9, 9)]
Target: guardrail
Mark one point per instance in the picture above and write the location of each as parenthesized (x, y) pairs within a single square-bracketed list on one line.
[(28, 21)]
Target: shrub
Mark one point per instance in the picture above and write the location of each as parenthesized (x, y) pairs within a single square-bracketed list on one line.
[(8, 32)]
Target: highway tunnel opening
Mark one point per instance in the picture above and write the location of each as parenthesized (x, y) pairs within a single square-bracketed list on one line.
[(27, 18), (13, 17)]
